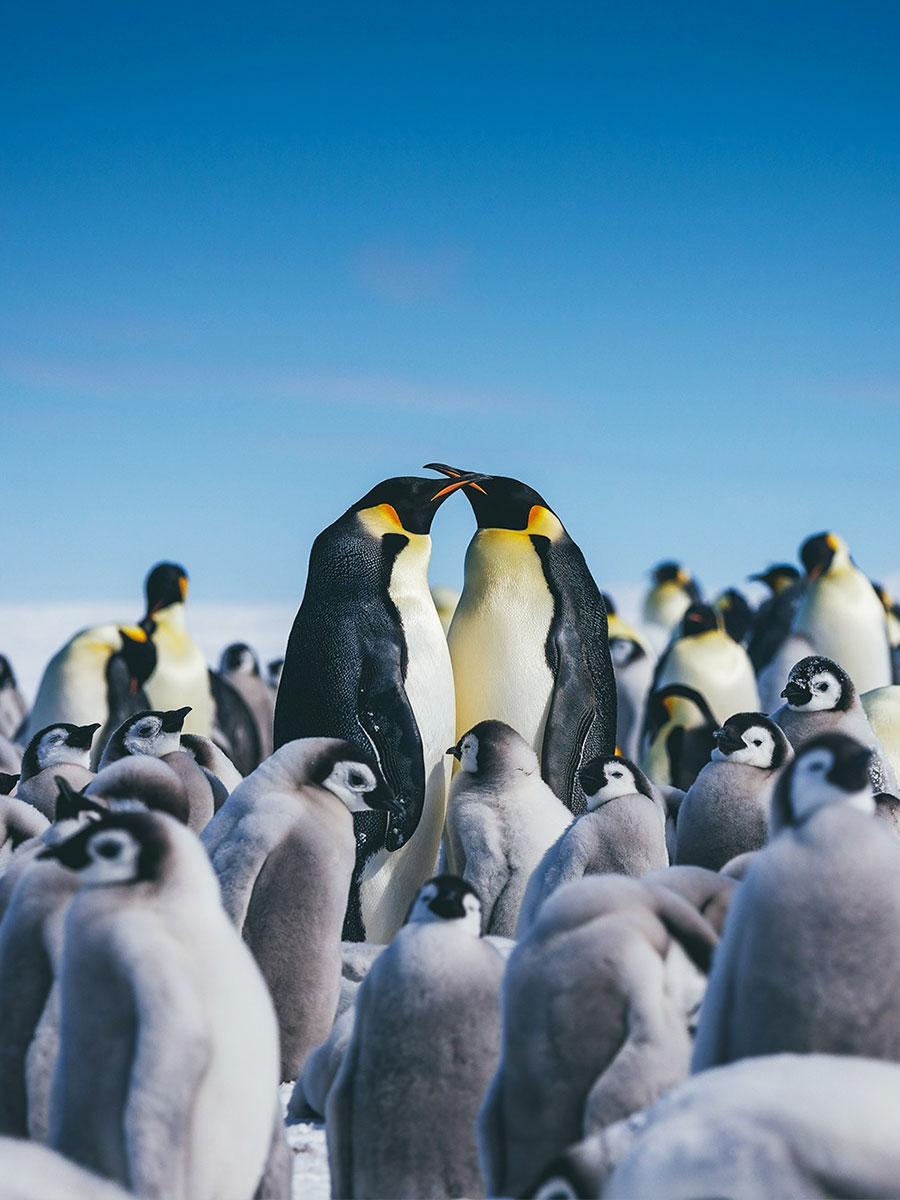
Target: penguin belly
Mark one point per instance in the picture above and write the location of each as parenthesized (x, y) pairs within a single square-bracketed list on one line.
[(390, 881), (73, 686), (181, 677), (718, 668), (498, 637), (844, 619)]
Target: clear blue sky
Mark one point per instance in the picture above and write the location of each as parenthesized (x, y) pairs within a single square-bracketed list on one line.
[(255, 258)]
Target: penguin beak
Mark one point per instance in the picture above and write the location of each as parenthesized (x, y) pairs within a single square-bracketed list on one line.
[(455, 751), (728, 742), (796, 694), (173, 721), (81, 738), (851, 773)]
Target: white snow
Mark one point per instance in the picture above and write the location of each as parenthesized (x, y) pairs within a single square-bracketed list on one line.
[(307, 1142)]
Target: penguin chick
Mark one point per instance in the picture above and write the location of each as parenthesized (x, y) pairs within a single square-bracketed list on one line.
[(841, 614), (725, 812), (240, 667), (19, 822), (283, 849), (703, 656), (501, 819), (13, 709), (882, 707), (633, 663), (33, 1170), (710, 892), (672, 592), (215, 763), (679, 736), (61, 749), (427, 1011), (141, 780), (155, 733), (815, 924), (820, 697), (160, 998), (8, 783), (623, 833), (10, 757), (578, 1057)]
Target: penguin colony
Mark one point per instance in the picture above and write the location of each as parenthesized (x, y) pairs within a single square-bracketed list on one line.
[(638, 942)]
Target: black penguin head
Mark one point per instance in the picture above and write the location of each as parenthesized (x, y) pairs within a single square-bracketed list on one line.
[(736, 613), (699, 618), (118, 848), (151, 732), (500, 502), (818, 684), (673, 701), (610, 776), (673, 572), (57, 744), (239, 657), (817, 553), (138, 653), (70, 805), (405, 504), (752, 739), (7, 675), (829, 769), (353, 776), (7, 783), (492, 748), (447, 898), (777, 577), (166, 584)]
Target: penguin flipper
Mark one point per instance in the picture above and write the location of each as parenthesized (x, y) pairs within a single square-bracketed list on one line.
[(237, 723)]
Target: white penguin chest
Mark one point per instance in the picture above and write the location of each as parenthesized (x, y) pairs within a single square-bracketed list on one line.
[(844, 619)]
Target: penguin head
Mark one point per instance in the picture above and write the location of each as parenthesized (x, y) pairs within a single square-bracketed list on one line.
[(7, 783), (673, 574), (699, 618), (751, 739), (736, 613), (493, 748), (117, 848), (166, 584), (679, 704), (70, 804), (238, 657), (624, 651), (499, 502), (829, 769), (818, 684), (273, 670), (138, 654), (447, 898), (7, 675), (404, 505), (58, 744), (820, 551), (610, 776), (777, 577), (351, 775), (151, 732)]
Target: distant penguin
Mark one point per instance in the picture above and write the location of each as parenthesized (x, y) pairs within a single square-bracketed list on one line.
[(501, 820), (529, 636), (679, 736), (181, 675), (841, 614), (725, 812), (736, 613), (623, 832), (273, 672), (882, 707), (367, 661), (673, 590), (160, 998), (575, 1058), (240, 667), (772, 620), (703, 656), (445, 601), (633, 663), (62, 749), (810, 956), (400, 1116), (892, 623), (283, 849), (820, 697), (13, 709)]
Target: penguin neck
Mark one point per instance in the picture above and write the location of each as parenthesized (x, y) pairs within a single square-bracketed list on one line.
[(409, 575), (171, 618)]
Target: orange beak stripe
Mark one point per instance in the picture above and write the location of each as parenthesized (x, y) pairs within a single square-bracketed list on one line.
[(458, 483)]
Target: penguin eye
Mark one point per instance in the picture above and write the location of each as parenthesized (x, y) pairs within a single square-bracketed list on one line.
[(617, 774), (107, 848), (357, 780), (757, 741), (821, 687)]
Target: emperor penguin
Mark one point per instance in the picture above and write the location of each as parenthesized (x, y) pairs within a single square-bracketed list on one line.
[(400, 1116), (703, 656), (882, 707), (673, 590), (367, 661), (810, 956), (240, 667), (679, 736), (633, 663), (840, 613), (529, 637), (772, 620), (575, 1058), (13, 709), (736, 613), (168, 1038), (29, 1169), (63, 750), (445, 601), (501, 820), (892, 623), (181, 675), (725, 811), (283, 849), (623, 833), (820, 697)]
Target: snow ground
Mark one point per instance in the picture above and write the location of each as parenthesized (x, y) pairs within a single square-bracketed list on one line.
[(311, 1180)]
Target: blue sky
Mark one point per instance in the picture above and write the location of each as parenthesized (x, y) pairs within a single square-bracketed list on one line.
[(255, 258)]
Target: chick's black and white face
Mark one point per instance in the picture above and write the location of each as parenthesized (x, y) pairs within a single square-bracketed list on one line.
[(351, 781), (447, 900), (811, 787), (468, 754), (147, 736), (826, 692), (758, 749), (619, 782), (54, 749), (112, 858)]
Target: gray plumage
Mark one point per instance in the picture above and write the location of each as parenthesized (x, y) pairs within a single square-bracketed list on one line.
[(501, 819), (725, 812), (60, 749), (240, 667), (141, 779), (623, 832), (42, 789), (214, 761), (28, 1170), (19, 821), (709, 892), (611, 1040)]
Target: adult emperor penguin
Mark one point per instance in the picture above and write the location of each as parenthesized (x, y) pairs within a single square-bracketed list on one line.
[(810, 956), (400, 1116), (820, 697), (367, 661), (892, 623), (13, 709), (283, 849), (841, 614), (63, 750), (882, 707), (673, 590), (168, 1038), (772, 620), (679, 736), (633, 662), (528, 639), (596, 1001), (725, 812)]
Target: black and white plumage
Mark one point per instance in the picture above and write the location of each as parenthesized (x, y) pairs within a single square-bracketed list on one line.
[(633, 664), (62, 749), (673, 590), (239, 666), (679, 736), (13, 708)]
